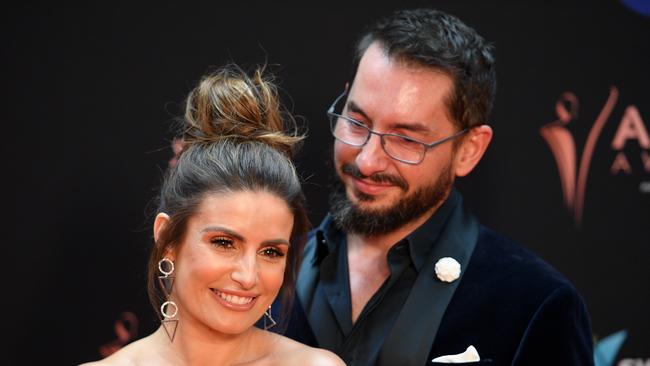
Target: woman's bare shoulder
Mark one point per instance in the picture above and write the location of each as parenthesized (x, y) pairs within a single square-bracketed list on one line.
[(317, 357), (294, 353)]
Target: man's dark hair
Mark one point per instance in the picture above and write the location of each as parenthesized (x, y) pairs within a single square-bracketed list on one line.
[(431, 38)]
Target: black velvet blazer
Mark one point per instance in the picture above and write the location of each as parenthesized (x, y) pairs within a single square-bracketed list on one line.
[(514, 308)]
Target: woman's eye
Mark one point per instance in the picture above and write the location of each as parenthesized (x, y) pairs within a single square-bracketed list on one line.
[(222, 242), (272, 252)]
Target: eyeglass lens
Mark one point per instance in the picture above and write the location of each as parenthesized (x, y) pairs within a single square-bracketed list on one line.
[(356, 134)]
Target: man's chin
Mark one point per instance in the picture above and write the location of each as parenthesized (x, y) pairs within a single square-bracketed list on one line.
[(374, 204), (370, 215)]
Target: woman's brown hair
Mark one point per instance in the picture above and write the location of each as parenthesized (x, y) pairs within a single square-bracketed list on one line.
[(236, 137)]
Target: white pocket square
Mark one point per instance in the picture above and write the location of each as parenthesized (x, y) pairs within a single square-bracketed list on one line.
[(470, 355)]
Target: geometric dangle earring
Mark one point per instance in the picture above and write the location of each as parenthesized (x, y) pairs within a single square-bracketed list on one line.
[(168, 309), (271, 323)]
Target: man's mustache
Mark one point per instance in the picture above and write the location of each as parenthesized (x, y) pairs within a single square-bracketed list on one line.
[(353, 170)]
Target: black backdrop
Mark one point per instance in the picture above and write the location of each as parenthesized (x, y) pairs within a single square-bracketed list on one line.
[(91, 90)]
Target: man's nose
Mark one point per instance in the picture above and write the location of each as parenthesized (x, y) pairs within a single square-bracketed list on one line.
[(245, 271), (372, 158)]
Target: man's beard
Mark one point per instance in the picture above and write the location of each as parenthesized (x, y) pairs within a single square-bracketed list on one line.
[(350, 218)]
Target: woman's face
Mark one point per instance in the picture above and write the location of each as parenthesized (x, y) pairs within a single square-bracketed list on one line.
[(230, 265)]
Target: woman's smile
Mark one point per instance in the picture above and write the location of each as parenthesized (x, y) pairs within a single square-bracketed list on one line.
[(234, 302)]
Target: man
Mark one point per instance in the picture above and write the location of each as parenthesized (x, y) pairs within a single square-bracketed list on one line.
[(399, 273)]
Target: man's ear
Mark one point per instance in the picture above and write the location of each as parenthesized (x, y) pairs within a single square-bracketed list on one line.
[(471, 149), (160, 224)]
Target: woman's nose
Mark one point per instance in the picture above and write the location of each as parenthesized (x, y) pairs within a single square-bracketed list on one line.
[(245, 271)]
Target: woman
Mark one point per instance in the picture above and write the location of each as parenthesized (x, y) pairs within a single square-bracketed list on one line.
[(230, 226)]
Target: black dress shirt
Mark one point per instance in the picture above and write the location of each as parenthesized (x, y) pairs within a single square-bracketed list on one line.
[(359, 343)]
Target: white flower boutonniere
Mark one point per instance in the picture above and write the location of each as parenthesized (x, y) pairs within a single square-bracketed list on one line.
[(447, 269)]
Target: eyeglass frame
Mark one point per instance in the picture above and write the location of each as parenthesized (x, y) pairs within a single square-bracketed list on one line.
[(331, 113)]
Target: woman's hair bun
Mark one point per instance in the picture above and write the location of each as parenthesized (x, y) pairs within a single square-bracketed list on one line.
[(230, 104)]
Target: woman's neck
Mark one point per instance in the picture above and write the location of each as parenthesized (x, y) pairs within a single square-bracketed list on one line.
[(200, 345)]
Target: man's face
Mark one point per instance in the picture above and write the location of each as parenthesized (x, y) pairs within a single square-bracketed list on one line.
[(378, 193)]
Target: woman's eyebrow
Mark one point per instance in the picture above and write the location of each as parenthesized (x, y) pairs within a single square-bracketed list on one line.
[(240, 237), (276, 242), (223, 230)]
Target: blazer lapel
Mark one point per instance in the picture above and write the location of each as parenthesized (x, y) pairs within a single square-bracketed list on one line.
[(318, 311), (306, 283), (419, 319)]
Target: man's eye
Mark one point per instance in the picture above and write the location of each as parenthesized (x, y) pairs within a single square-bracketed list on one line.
[(356, 126), (272, 252), (407, 142), (222, 242)]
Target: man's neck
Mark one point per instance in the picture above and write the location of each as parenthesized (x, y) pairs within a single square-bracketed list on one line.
[(367, 260)]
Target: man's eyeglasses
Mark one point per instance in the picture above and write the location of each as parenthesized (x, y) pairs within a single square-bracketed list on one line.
[(399, 147)]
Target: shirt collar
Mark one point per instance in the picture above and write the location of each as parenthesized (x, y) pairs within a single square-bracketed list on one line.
[(328, 237), (425, 237), (420, 241)]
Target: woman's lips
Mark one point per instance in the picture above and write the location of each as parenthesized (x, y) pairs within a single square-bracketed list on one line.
[(234, 302)]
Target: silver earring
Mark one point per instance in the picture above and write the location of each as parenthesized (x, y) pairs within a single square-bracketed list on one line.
[(168, 309), (271, 323)]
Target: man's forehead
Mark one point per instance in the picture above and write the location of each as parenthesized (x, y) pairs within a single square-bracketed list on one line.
[(419, 126), (418, 104)]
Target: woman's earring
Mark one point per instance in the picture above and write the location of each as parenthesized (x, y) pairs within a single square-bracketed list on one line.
[(168, 309), (272, 323)]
